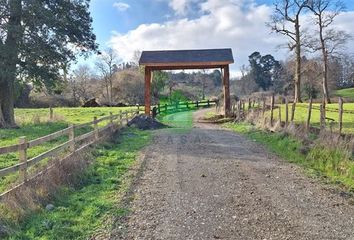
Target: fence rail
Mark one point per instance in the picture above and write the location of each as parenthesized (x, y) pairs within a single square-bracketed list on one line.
[(166, 108), (68, 146)]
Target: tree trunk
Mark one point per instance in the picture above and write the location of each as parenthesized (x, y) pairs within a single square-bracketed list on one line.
[(9, 61), (325, 64), (297, 95), (325, 79)]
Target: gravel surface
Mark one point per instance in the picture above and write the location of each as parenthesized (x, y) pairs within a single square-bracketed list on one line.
[(210, 183)]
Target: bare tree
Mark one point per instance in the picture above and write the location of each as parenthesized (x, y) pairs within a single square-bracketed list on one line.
[(286, 21), (329, 40), (81, 83), (107, 66)]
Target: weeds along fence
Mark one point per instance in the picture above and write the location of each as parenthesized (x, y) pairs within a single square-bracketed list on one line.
[(282, 111), (183, 106), (72, 145)]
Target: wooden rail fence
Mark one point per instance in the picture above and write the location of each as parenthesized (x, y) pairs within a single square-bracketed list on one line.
[(239, 110), (70, 146), (179, 106)]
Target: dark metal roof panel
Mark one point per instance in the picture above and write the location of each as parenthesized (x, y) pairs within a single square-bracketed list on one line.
[(186, 56)]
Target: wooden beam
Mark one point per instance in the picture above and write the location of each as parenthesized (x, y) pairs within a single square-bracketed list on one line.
[(148, 76), (184, 67), (179, 64), (227, 102)]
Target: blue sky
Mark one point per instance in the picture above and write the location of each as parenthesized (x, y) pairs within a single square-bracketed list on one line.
[(129, 25)]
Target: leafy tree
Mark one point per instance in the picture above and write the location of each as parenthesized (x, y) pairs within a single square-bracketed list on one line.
[(158, 82), (263, 69), (37, 38)]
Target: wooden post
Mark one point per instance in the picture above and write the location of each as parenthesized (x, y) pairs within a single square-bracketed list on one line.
[(23, 158), (187, 105), (227, 102), (249, 104), (72, 138), (197, 104), (286, 112), (309, 115), (239, 108), (111, 121), (340, 117), (126, 116), (279, 112), (148, 77), (120, 118), (165, 108), (208, 103), (158, 108), (323, 115), (243, 106), (138, 109), (51, 114), (264, 106), (95, 125), (293, 108), (271, 109)]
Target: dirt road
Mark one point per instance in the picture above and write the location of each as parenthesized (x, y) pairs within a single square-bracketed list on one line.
[(210, 183)]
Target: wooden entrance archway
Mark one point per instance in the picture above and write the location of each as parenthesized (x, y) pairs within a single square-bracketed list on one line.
[(187, 59)]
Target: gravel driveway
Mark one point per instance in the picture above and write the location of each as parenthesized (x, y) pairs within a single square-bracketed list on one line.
[(211, 183)]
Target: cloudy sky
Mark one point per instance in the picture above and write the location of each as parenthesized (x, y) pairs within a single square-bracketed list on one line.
[(130, 25)]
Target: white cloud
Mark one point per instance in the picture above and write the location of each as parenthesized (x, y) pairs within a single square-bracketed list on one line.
[(224, 23), (121, 6)]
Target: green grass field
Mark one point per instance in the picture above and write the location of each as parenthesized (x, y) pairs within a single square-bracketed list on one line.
[(301, 114), (345, 93)]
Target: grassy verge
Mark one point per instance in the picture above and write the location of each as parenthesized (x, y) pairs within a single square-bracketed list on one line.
[(82, 210), (178, 120), (331, 163)]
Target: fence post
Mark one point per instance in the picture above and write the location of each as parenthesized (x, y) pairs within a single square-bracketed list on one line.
[(323, 115), (120, 119), (271, 109), (158, 108), (249, 104), (208, 103), (264, 106), (187, 104), (71, 136), (309, 115), (165, 108), (111, 121), (138, 112), (293, 107), (340, 117), (197, 104), (51, 114), (279, 108), (286, 112), (23, 158), (95, 125), (126, 116)]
